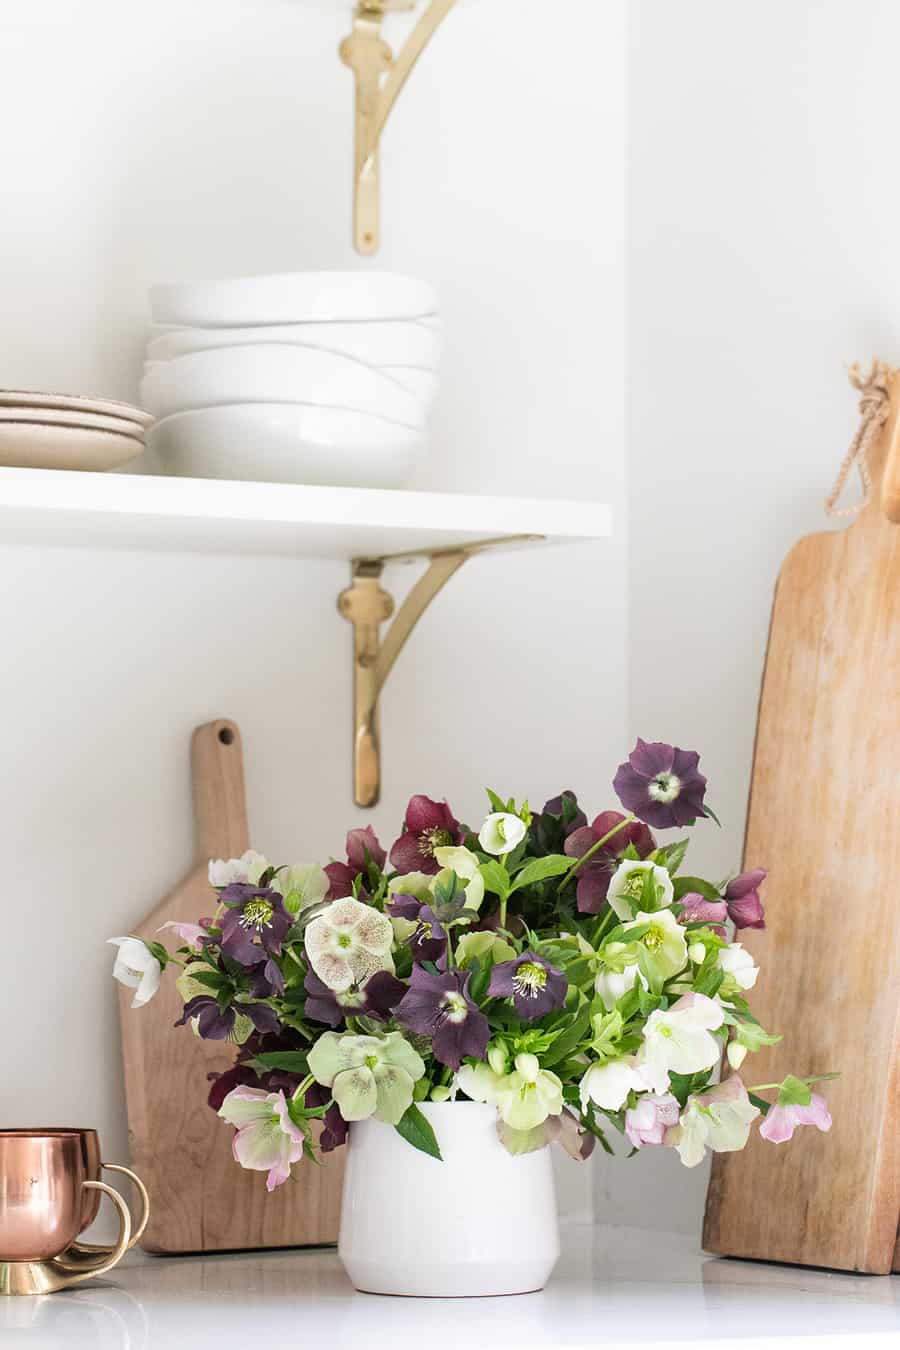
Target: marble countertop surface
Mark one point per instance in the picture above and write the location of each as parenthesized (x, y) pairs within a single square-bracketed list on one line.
[(612, 1287)]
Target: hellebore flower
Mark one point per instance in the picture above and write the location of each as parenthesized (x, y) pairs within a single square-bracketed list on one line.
[(719, 1119), (267, 1140), (362, 847), (680, 1040), (483, 946), (427, 826), (192, 934), (501, 833), (534, 986), (661, 784), (439, 1006), (464, 863), (334, 1126), (647, 1122), (696, 909), (558, 818), (252, 912), (523, 1098), (665, 950), (594, 877), (781, 1121), (367, 1075), (348, 942), (626, 887), (136, 967), (608, 1085), (745, 909), (612, 985), (302, 886), (427, 938), (214, 1024), (376, 998), (245, 870), (740, 970)]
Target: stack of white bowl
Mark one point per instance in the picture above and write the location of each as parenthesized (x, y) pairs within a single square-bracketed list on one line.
[(305, 377)]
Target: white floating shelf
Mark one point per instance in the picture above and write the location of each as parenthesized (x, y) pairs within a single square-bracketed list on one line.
[(141, 511)]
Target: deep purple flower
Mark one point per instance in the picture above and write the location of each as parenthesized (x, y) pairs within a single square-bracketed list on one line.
[(241, 1075), (334, 1127), (696, 909), (252, 912), (558, 818), (427, 825), (439, 1006), (661, 784), (215, 1025), (593, 878), (429, 941), (362, 848), (377, 998), (534, 986), (745, 909)]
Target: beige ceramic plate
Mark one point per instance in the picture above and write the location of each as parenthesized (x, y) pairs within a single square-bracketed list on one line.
[(35, 445), (22, 398), (65, 417)]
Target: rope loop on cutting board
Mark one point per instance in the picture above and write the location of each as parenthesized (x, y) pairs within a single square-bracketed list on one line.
[(874, 405)]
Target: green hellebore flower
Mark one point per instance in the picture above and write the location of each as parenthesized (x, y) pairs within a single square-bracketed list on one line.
[(463, 862), (487, 947), (367, 1075), (662, 949)]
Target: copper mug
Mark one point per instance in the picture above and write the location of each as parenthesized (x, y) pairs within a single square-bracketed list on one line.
[(45, 1195)]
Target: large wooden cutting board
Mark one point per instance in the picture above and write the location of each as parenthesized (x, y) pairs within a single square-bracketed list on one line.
[(200, 1199), (824, 817)]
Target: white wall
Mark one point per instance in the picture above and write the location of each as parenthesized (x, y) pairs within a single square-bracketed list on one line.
[(214, 139), (762, 209)]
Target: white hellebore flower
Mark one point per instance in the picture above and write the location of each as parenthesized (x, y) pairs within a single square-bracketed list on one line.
[(608, 1085), (626, 886), (739, 964), (302, 886), (611, 986), (348, 942), (501, 832), (663, 942), (719, 1119), (137, 967), (680, 1040), (246, 870), (524, 1098)]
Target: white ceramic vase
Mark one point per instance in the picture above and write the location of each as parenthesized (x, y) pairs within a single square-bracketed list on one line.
[(479, 1223)]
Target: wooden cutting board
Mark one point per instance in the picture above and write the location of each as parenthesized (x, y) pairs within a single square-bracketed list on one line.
[(824, 817), (200, 1200)]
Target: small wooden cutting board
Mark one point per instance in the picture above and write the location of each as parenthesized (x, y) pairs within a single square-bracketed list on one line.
[(200, 1199), (824, 817)]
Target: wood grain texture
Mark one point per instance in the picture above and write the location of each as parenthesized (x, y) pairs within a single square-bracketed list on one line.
[(200, 1200), (823, 817)]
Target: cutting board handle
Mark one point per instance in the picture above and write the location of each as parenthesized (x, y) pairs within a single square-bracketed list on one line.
[(220, 808)]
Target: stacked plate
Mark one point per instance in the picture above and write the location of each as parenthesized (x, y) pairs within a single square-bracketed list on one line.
[(303, 377), (66, 431)]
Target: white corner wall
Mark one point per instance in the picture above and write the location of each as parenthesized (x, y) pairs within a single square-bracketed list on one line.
[(214, 139), (762, 258)]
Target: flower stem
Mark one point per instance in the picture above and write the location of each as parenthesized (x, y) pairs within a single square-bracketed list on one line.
[(303, 1088), (629, 820), (602, 926)]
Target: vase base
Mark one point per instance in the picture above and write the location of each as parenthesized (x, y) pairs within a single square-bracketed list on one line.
[(448, 1282)]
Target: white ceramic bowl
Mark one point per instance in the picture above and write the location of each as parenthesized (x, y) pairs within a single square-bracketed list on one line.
[(293, 297), (397, 342), (424, 384), (287, 443), (276, 374)]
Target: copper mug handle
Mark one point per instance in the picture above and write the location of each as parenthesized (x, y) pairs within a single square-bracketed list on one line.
[(87, 1256), (45, 1277)]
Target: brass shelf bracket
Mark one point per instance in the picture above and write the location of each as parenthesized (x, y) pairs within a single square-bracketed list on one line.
[(379, 77), (367, 606)]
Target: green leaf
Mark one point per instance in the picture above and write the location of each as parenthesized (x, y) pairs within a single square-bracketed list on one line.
[(539, 869), (695, 885), (672, 856), (496, 878), (212, 979), (416, 1130), (760, 1103), (751, 1035), (292, 1061), (158, 950), (794, 1092), (498, 804)]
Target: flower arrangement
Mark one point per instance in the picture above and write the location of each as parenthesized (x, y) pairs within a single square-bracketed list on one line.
[(567, 973)]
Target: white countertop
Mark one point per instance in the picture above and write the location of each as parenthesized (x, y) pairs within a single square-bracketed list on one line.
[(613, 1287)]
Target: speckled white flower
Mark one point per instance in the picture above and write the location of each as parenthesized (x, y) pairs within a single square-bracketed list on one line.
[(501, 832), (348, 942), (136, 967), (246, 870)]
